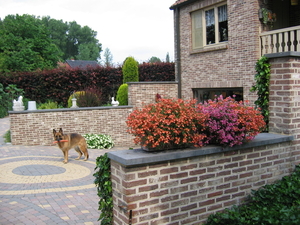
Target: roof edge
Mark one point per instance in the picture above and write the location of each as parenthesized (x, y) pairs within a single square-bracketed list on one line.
[(179, 4)]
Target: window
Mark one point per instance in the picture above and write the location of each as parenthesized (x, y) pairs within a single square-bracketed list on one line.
[(205, 30), (203, 94)]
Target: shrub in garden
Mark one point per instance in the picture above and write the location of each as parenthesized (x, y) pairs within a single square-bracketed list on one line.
[(272, 204), (98, 141), (167, 124), (230, 122), (3, 102), (122, 94), (130, 70), (49, 105), (89, 97), (7, 95)]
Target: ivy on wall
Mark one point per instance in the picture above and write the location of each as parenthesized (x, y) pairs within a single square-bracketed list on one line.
[(262, 78), (104, 188)]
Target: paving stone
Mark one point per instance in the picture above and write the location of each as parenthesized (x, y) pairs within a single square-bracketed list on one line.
[(36, 187)]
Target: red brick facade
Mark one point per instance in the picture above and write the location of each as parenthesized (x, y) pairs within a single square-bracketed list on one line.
[(232, 66)]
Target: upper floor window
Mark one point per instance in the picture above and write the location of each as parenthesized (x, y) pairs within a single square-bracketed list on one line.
[(209, 26)]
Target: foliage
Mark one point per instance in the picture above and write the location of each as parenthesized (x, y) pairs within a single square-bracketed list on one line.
[(104, 188), (49, 105), (59, 84), (230, 122), (74, 95), (14, 92), (7, 95), (157, 72), (4, 101), (89, 97), (99, 141), (168, 57), (154, 59), (122, 94), (262, 78), (73, 40), (7, 137), (130, 70), (107, 58), (25, 45), (167, 124), (272, 204)]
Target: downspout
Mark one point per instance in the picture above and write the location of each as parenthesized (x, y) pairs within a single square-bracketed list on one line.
[(177, 47)]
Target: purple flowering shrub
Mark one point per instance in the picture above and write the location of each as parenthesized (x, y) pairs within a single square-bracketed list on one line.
[(230, 122)]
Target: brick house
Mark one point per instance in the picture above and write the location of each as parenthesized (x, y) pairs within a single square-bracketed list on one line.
[(219, 58)]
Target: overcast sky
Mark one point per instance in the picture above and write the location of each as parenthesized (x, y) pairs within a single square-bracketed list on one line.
[(137, 28)]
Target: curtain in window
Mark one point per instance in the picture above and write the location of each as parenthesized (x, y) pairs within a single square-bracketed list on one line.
[(222, 13), (209, 17)]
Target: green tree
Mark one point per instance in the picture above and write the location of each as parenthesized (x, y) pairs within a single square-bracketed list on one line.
[(154, 59), (84, 39), (73, 40), (130, 70), (25, 45), (168, 58), (107, 58)]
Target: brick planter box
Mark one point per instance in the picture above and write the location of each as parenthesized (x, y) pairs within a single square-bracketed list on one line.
[(186, 186)]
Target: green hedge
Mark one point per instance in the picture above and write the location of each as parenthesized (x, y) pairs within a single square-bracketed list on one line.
[(274, 204)]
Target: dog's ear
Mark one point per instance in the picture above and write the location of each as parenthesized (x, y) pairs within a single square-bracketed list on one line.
[(60, 130), (54, 131)]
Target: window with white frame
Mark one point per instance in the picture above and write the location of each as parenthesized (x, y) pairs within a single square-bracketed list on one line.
[(209, 26)]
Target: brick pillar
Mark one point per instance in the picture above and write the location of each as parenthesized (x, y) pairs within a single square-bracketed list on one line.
[(284, 96), (284, 108)]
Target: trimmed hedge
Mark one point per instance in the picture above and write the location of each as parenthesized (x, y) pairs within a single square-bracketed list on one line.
[(58, 84)]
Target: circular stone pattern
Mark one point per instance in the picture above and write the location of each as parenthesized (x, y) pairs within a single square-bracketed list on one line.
[(71, 172), (38, 170)]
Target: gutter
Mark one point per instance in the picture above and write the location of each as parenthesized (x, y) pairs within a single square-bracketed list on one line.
[(177, 47)]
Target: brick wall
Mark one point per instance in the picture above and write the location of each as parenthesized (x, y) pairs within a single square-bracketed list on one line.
[(186, 190), (35, 127), (284, 95), (143, 93), (233, 66)]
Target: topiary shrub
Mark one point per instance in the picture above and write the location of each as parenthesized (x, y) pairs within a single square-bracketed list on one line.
[(122, 94), (130, 70)]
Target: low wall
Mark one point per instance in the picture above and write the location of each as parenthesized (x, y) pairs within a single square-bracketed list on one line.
[(186, 186), (36, 127)]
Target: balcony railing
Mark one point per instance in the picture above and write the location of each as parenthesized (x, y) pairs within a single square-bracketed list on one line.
[(282, 40)]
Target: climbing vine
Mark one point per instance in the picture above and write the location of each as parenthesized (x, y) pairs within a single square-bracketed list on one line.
[(262, 78), (104, 188)]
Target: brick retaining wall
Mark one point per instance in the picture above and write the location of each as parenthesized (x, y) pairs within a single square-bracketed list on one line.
[(186, 186)]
